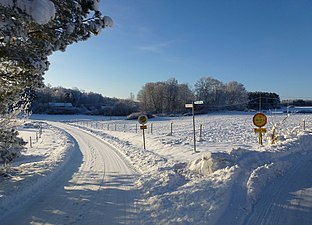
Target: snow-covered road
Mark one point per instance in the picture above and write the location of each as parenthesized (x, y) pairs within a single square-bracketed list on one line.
[(95, 188)]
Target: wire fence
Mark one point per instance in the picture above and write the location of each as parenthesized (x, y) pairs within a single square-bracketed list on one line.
[(211, 128)]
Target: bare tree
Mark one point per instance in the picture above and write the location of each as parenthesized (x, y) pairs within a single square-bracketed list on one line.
[(164, 97), (171, 94), (236, 96), (185, 95), (211, 91)]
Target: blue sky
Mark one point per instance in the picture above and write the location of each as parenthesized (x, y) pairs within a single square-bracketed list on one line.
[(265, 45)]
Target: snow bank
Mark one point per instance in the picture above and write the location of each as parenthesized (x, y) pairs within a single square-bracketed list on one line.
[(263, 175), (210, 162)]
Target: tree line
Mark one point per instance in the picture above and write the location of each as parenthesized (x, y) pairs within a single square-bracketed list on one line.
[(170, 96), (163, 97), (296, 102), (48, 99)]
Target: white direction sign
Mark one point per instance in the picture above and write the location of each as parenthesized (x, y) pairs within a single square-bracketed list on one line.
[(188, 105), (199, 102)]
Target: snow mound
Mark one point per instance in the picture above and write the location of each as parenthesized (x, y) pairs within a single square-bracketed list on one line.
[(210, 162), (263, 175), (42, 11)]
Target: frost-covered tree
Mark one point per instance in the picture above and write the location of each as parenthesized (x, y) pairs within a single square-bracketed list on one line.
[(185, 95), (124, 107), (211, 91), (152, 97), (236, 96), (171, 94), (164, 97), (220, 96), (30, 31)]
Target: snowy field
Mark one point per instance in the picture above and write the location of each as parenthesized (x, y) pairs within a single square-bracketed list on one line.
[(229, 180)]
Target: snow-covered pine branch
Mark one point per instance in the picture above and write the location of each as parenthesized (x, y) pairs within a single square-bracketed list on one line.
[(30, 31)]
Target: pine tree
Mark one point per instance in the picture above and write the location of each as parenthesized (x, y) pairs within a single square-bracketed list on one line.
[(32, 30), (26, 39)]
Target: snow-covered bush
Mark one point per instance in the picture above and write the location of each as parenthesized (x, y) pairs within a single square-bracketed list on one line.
[(274, 134), (10, 145), (16, 114)]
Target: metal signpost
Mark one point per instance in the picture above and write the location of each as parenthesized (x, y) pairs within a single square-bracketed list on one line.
[(143, 120), (193, 115)]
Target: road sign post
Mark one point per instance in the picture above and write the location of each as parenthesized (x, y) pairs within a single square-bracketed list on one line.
[(143, 127), (260, 120), (194, 129), (142, 119), (193, 115), (260, 130)]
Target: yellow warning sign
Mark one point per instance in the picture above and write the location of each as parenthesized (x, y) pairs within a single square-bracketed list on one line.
[(260, 130), (259, 119), (142, 119)]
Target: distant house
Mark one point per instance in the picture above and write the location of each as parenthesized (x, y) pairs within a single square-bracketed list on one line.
[(298, 109), (60, 104), (302, 109), (61, 108)]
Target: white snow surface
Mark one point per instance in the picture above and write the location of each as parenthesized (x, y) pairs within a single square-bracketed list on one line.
[(230, 180), (42, 11)]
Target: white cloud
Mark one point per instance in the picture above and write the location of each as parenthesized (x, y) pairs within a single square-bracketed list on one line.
[(156, 48)]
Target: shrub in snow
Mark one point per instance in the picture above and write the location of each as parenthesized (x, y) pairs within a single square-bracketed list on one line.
[(135, 116), (274, 135), (10, 145)]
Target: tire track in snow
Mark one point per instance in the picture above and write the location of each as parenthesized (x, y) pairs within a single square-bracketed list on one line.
[(105, 166)]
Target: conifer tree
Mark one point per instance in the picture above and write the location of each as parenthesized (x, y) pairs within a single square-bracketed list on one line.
[(30, 31)]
